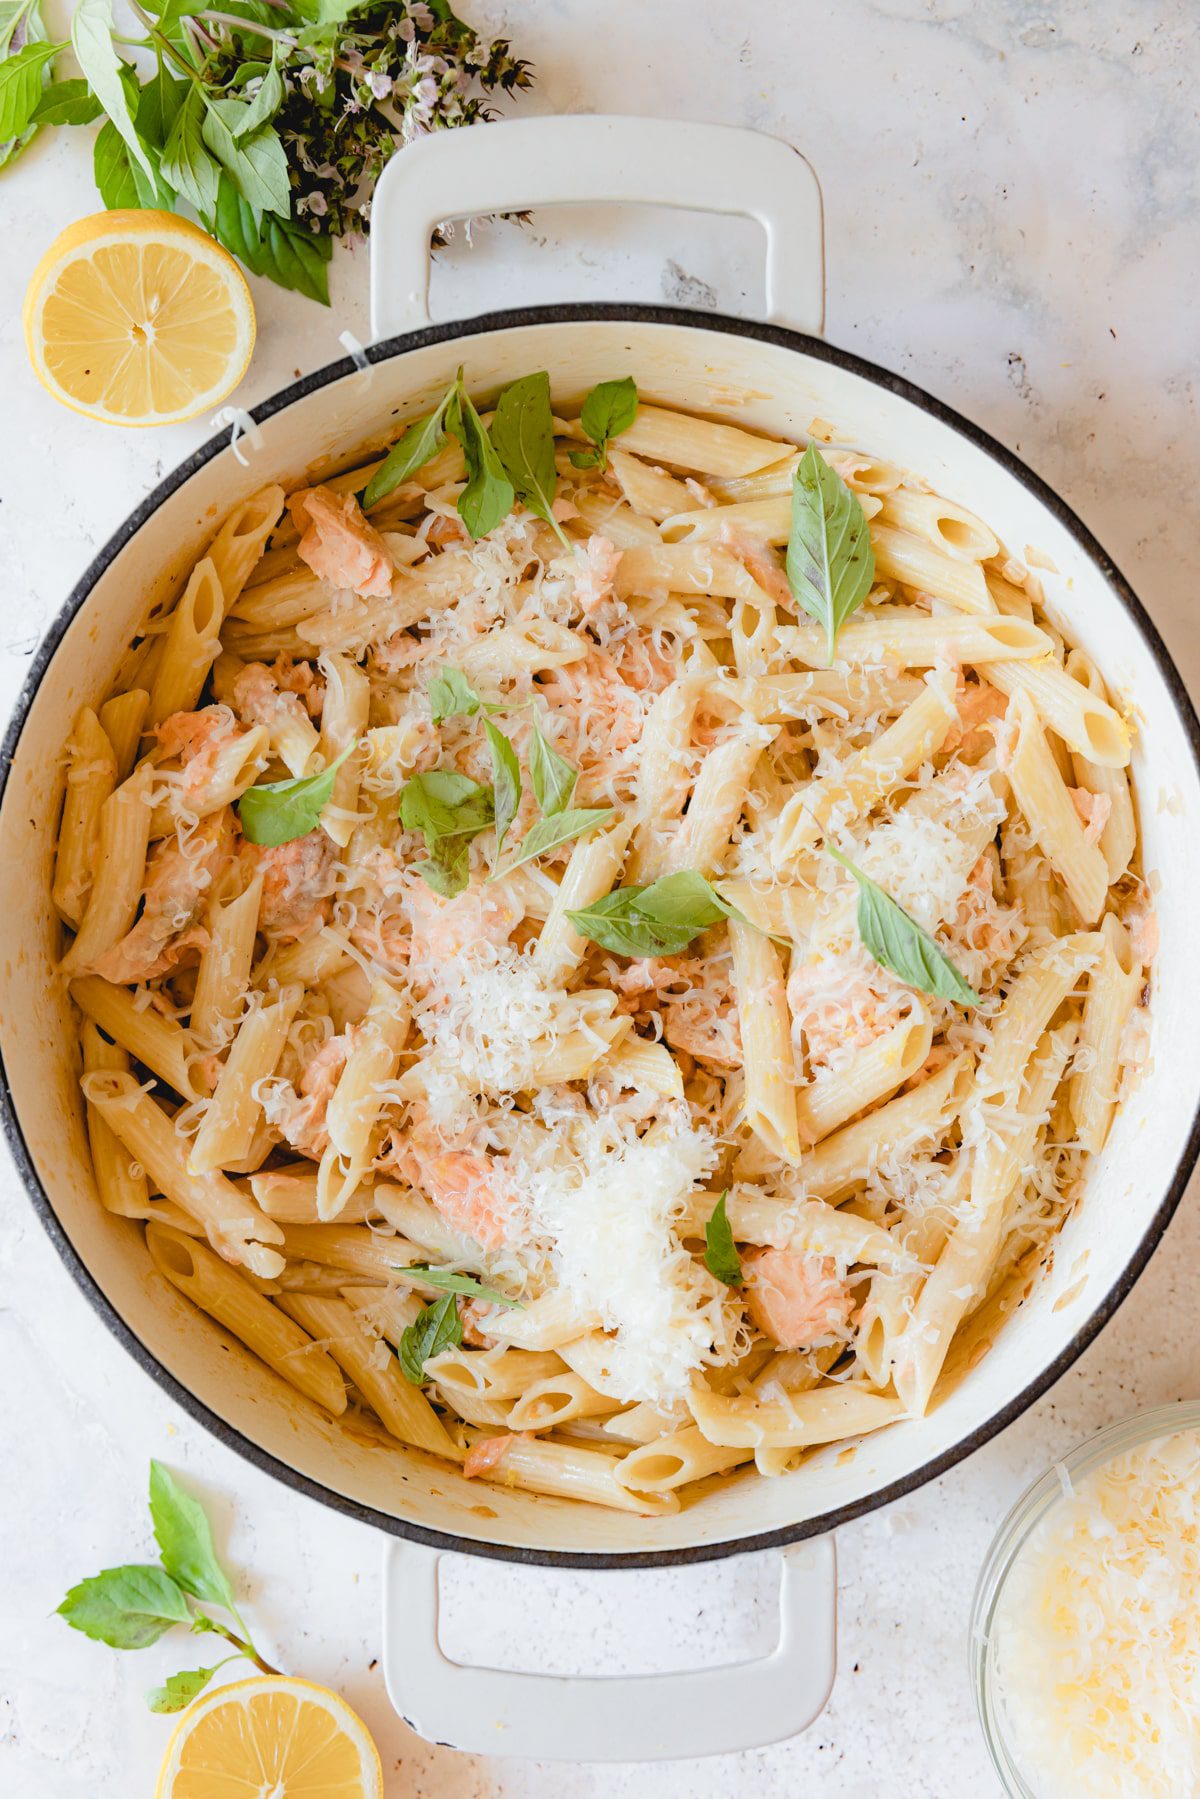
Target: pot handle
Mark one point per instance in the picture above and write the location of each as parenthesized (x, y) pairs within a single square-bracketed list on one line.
[(584, 159), (652, 1717)]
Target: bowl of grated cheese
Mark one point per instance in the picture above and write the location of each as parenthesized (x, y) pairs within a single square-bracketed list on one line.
[(1085, 1629)]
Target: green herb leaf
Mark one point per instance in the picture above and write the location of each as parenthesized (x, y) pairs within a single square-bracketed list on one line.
[(898, 943), (186, 161), (442, 803), (155, 106), (96, 54), (439, 1327), (287, 254), (523, 433), (830, 562), (280, 811), (658, 920), (180, 1689), (720, 1254), (552, 776), (609, 409), (21, 79), (548, 833), (122, 181), (506, 781), (184, 1538), (488, 496), (256, 163), (454, 1282), (452, 696), (67, 103), (419, 445), (447, 868), (127, 1608), (265, 104)]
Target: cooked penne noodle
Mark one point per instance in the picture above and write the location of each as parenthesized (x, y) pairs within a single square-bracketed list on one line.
[(91, 778), (190, 646), (770, 1102), (1043, 797), (164, 1046), (1118, 834), (233, 1113), (402, 1409), (120, 866), (1113, 986), (913, 640), (1086, 723), (824, 1415), (122, 718)]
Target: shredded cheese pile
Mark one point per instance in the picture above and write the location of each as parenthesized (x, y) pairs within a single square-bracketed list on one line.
[(1096, 1640)]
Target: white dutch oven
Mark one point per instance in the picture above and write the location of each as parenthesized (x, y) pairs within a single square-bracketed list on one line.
[(777, 377)]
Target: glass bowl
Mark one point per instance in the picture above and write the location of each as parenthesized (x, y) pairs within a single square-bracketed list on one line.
[(1029, 1511)]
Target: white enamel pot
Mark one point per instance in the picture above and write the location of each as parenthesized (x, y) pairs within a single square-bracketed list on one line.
[(777, 376)]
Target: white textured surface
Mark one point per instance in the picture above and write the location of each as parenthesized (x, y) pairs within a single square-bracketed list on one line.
[(1013, 223)]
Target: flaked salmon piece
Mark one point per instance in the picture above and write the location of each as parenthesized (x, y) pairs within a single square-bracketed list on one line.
[(837, 1009), (303, 679), (197, 738), (755, 557), (1093, 811), (300, 1116), (795, 1299), (595, 572), (473, 1194), (487, 1453), (442, 928), (695, 1001), (1142, 926), (444, 531), (297, 882), (982, 923), (259, 698), (178, 879), (979, 706), (339, 545)]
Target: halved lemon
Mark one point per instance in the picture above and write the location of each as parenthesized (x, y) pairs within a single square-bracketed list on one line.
[(271, 1736), (138, 318)]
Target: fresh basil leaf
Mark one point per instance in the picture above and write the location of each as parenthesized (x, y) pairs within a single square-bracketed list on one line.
[(447, 868), (287, 254), (454, 1282), (121, 181), (658, 920), (256, 163), (96, 53), (14, 25), (506, 781), (552, 776), (830, 562), (127, 1608), (523, 433), (548, 833), (184, 1538), (265, 104), (442, 803), (66, 103), (898, 943), (609, 409), (419, 445), (179, 1690), (592, 457), (187, 163), (155, 106), (21, 80), (488, 495), (280, 811), (438, 1327), (451, 695), (720, 1253)]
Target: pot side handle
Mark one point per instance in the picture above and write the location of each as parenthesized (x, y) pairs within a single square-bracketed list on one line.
[(652, 1717), (585, 159)]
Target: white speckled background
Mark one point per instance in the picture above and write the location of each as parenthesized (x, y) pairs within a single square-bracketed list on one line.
[(1013, 222)]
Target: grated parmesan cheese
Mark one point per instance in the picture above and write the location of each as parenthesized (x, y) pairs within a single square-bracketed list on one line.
[(1096, 1638)]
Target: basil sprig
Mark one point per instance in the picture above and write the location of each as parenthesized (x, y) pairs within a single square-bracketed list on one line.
[(720, 1253), (609, 409), (830, 562), (419, 445), (506, 781), (452, 696), (453, 1282), (280, 811), (523, 433), (132, 1606), (438, 1327), (552, 776), (488, 496), (898, 943), (658, 920), (448, 809)]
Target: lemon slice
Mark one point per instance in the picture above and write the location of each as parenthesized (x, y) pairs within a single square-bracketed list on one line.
[(138, 318), (274, 1736)]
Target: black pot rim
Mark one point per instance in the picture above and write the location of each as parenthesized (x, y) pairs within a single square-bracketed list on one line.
[(718, 324)]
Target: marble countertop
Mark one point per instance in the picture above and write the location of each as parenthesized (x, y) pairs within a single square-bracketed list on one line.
[(1013, 222)]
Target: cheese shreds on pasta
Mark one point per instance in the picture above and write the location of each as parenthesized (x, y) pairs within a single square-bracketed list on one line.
[(1096, 1637), (733, 1174)]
